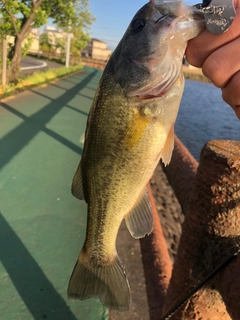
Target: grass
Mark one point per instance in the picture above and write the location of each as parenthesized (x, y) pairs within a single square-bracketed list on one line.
[(36, 79), (194, 74)]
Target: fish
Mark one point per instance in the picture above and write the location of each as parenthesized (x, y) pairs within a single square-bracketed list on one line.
[(130, 127)]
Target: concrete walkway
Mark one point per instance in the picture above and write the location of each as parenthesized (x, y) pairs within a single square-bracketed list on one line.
[(42, 226)]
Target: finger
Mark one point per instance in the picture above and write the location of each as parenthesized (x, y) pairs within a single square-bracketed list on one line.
[(201, 47), (223, 63), (236, 3), (231, 93)]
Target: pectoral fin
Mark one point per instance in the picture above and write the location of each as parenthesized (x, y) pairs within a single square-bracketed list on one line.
[(140, 221), (77, 184), (166, 152)]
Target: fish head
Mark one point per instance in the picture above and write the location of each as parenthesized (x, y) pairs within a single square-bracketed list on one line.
[(149, 57)]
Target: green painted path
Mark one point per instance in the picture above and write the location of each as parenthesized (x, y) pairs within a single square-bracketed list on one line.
[(42, 226)]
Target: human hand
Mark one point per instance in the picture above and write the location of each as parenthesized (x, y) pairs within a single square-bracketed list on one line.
[(219, 57)]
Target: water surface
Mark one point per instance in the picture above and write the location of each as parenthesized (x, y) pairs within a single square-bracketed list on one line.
[(204, 116)]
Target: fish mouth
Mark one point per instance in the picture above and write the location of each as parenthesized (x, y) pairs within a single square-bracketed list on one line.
[(181, 13)]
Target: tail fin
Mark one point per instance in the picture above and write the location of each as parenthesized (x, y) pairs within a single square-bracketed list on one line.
[(106, 282)]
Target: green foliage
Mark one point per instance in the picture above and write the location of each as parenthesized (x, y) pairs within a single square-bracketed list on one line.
[(27, 44), (61, 44), (78, 24), (77, 44), (18, 17), (77, 15), (45, 42), (40, 18), (49, 43), (15, 13)]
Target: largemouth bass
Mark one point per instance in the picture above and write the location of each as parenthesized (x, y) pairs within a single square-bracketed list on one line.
[(129, 129)]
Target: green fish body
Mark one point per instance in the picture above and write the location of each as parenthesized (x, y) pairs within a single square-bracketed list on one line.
[(130, 128)]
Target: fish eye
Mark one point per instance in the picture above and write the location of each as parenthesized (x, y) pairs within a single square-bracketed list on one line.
[(137, 24)]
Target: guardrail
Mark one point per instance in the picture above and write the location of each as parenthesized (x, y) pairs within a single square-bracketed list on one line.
[(94, 63), (99, 64), (205, 281)]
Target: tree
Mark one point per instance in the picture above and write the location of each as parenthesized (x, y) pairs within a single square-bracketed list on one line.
[(46, 43), (19, 17), (78, 28)]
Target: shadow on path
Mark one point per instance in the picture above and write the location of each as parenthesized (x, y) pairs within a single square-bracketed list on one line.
[(48, 131), (75, 109), (37, 292), (19, 137), (62, 88)]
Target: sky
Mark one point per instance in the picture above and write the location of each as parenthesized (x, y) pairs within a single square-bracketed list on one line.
[(113, 18)]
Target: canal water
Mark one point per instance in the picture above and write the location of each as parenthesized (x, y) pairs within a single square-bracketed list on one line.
[(204, 116)]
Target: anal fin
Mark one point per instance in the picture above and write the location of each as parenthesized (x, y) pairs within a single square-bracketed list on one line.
[(140, 221)]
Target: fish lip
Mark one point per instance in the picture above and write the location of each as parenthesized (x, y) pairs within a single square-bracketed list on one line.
[(182, 13), (163, 17)]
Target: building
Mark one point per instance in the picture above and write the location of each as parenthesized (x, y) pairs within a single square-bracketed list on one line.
[(33, 38), (97, 50), (56, 36)]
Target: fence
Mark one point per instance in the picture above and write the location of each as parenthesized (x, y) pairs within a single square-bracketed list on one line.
[(58, 57), (99, 64), (205, 281)]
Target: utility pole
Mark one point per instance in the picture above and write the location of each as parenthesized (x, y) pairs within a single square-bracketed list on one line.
[(4, 62), (68, 43), (39, 32), (68, 49)]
